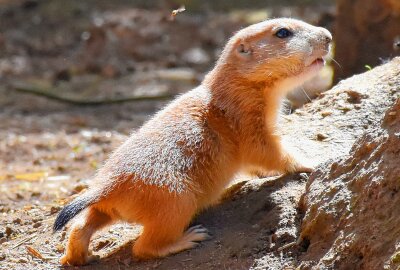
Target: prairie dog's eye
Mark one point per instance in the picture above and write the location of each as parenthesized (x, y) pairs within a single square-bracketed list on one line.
[(283, 33)]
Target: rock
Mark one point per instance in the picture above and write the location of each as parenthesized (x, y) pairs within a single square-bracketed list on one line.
[(9, 231), (79, 188), (375, 91), (23, 260), (367, 97), (322, 136), (59, 248), (37, 225), (36, 194), (3, 240), (17, 221), (54, 209), (352, 207)]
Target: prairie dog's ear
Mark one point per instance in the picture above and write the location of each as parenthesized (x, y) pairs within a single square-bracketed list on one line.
[(243, 49)]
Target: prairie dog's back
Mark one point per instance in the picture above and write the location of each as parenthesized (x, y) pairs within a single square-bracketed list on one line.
[(174, 145)]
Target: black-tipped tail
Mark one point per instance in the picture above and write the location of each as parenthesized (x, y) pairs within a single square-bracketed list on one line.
[(70, 211)]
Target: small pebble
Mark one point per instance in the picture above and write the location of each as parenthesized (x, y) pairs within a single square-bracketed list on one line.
[(22, 260), (17, 221), (54, 209), (321, 136), (2, 240), (353, 96), (9, 231), (37, 225), (326, 113), (344, 108), (334, 166), (274, 237), (35, 194), (79, 188), (60, 248), (34, 220)]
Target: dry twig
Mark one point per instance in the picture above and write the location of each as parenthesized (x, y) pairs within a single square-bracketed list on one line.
[(47, 93)]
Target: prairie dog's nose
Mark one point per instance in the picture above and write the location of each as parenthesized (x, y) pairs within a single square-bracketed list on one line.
[(326, 35)]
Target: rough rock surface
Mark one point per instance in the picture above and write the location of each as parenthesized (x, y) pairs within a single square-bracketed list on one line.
[(352, 219), (327, 127), (324, 131)]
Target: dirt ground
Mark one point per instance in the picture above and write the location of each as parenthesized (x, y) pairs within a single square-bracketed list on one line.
[(49, 150)]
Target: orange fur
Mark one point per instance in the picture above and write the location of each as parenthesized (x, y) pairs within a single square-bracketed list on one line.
[(181, 160)]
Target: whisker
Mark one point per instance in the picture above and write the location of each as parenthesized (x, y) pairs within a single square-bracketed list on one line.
[(333, 59), (304, 91), (336, 62)]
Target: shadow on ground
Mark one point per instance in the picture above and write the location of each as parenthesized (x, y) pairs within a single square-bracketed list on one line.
[(255, 220)]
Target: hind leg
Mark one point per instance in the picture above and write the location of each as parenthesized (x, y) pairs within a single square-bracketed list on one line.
[(82, 230), (164, 233)]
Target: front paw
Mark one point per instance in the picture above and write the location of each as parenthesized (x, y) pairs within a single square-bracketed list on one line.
[(295, 166), (304, 169)]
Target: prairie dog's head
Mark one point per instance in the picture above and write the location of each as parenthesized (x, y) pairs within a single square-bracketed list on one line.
[(285, 51)]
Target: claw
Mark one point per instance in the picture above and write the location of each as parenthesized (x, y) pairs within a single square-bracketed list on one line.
[(196, 233)]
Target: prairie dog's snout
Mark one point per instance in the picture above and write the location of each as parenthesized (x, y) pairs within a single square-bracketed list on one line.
[(326, 35), (314, 40), (319, 46), (323, 41)]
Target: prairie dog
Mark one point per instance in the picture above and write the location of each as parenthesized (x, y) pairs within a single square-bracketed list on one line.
[(180, 161)]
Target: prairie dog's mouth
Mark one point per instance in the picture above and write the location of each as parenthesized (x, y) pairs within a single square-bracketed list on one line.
[(317, 62)]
